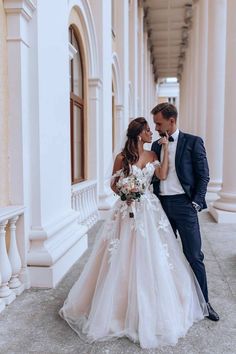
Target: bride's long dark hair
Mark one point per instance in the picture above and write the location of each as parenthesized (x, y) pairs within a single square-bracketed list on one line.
[(130, 152)]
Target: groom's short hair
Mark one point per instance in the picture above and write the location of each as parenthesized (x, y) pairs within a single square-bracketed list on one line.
[(168, 110)]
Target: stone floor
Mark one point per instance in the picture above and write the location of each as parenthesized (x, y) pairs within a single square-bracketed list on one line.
[(31, 323)]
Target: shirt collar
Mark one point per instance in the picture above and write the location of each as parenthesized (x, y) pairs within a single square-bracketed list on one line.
[(175, 134)]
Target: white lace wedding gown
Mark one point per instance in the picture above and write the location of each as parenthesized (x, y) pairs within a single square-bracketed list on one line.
[(137, 282)]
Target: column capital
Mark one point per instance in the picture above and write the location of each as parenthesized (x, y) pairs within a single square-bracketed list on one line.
[(95, 85), (22, 7), (96, 82)]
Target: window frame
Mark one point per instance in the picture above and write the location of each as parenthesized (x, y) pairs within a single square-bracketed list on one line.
[(80, 103)]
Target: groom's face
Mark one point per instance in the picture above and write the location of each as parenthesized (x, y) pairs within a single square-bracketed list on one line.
[(162, 125)]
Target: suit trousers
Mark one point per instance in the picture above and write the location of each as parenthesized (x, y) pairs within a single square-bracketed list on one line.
[(184, 219)]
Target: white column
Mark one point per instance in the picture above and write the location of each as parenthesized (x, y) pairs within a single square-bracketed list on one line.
[(182, 99), (140, 62), (188, 77), (94, 95), (4, 177), (122, 48), (195, 68), (133, 53), (201, 94), (56, 238), (215, 93), (145, 76), (19, 16), (102, 11), (119, 116), (224, 209)]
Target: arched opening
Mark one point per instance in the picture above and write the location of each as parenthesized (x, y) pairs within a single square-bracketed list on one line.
[(77, 114)]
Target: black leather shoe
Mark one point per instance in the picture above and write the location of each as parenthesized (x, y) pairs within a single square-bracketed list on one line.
[(213, 316)]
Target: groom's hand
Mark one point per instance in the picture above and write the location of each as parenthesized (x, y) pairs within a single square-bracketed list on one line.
[(196, 206)]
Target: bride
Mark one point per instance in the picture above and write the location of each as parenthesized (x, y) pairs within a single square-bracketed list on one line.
[(137, 282)]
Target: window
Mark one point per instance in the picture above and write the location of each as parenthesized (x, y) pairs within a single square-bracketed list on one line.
[(113, 119), (77, 123)]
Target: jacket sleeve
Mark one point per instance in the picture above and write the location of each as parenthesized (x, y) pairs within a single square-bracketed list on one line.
[(153, 146), (201, 171)]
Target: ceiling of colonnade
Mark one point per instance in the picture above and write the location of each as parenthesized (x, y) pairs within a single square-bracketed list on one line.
[(167, 22)]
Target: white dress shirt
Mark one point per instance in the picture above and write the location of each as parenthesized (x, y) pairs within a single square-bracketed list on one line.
[(171, 185)]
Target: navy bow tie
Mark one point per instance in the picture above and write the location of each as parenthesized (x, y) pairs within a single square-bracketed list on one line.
[(171, 138)]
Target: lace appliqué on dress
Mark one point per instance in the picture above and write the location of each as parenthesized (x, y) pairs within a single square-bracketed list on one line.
[(112, 248), (165, 255), (163, 224)]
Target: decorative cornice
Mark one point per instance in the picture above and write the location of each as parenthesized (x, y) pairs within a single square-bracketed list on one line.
[(25, 8)]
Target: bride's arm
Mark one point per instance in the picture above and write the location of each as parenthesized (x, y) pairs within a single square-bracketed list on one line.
[(116, 167), (162, 170)]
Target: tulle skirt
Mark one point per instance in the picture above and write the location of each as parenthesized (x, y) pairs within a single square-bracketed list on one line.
[(136, 283)]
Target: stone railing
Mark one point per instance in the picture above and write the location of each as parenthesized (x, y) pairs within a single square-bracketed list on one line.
[(10, 260), (84, 200)]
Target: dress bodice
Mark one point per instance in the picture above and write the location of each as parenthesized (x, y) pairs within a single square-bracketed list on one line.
[(145, 173)]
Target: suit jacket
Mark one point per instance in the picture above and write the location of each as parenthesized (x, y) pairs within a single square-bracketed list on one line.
[(191, 167)]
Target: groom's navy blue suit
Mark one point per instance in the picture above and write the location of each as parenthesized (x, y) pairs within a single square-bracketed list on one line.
[(193, 173)]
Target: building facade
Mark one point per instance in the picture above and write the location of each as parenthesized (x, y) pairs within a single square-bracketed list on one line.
[(72, 75)]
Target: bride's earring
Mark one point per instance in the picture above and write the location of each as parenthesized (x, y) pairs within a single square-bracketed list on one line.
[(139, 138)]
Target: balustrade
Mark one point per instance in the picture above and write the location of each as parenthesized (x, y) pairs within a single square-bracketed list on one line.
[(84, 200), (10, 260)]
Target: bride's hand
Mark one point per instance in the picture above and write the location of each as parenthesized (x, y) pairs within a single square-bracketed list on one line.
[(164, 141), (129, 202)]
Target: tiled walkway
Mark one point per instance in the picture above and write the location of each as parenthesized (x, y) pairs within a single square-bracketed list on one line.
[(31, 323)]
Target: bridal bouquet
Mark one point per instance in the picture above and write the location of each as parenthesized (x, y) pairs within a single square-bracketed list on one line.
[(130, 188)]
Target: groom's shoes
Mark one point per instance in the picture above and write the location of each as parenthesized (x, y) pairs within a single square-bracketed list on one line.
[(213, 316)]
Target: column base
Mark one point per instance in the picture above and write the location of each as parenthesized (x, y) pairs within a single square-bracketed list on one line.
[(19, 290), (49, 277), (54, 249), (222, 216), (214, 187)]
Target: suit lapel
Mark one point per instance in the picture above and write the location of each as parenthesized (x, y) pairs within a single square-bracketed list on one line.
[(179, 148)]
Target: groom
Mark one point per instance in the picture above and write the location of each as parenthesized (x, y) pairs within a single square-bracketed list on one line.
[(182, 194)]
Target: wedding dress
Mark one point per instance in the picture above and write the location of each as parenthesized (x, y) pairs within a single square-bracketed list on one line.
[(137, 282)]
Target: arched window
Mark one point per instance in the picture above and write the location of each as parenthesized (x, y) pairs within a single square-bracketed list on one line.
[(77, 123)]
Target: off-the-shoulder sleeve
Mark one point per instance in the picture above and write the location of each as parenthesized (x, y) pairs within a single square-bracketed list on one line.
[(115, 175)]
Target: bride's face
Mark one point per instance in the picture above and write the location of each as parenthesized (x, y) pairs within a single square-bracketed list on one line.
[(146, 135)]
